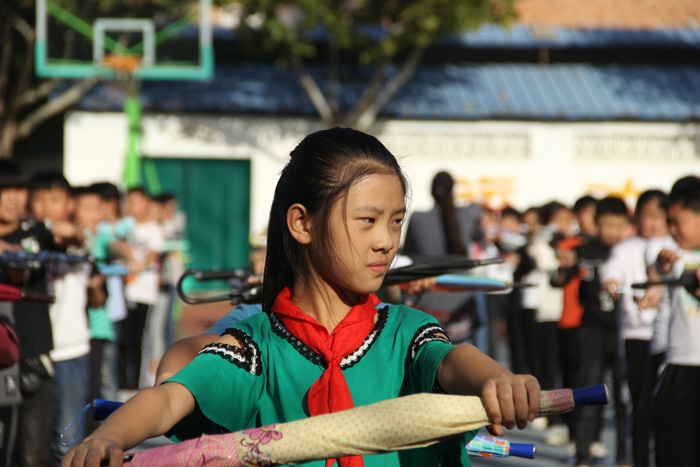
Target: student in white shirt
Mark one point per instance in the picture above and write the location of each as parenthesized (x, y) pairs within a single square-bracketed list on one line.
[(677, 403), (627, 265), (146, 241)]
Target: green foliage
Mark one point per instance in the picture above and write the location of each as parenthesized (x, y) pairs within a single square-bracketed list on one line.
[(120, 8), (279, 25)]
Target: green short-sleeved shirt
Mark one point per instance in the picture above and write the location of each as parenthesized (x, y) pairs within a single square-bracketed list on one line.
[(268, 381)]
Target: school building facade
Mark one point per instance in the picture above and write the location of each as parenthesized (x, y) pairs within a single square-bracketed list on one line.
[(509, 130)]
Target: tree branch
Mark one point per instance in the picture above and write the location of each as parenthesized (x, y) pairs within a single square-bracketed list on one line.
[(367, 114), (24, 28), (6, 58), (369, 94), (312, 90), (55, 106), (32, 96), (25, 75), (333, 77)]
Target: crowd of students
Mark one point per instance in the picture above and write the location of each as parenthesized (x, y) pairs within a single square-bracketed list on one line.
[(572, 318), (111, 319)]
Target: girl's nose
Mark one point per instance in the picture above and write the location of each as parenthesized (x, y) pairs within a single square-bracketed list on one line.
[(384, 242)]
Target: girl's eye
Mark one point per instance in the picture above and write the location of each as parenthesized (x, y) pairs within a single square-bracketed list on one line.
[(399, 221), (369, 220)]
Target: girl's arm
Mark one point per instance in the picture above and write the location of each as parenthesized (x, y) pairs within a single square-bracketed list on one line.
[(509, 399), (151, 412), (180, 354)]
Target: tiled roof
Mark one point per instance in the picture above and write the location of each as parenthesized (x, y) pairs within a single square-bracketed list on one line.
[(642, 14), (559, 92)]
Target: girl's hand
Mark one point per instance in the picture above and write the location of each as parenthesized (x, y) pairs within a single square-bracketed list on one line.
[(696, 273), (4, 246), (567, 258), (510, 400), (611, 286), (92, 453), (666, 260), (652, 297), (421, 285), (134, 267)]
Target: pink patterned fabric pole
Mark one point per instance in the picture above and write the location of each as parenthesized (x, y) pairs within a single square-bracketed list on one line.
[(557, 401)]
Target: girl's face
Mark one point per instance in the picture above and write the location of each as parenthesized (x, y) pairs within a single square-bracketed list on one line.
[(13, 203), (684, 225), (586, 220), (612, 228), (366, 231), (54, 204), (532, 220), (89, 211), (136, 205), (652, 221), (563, 220)]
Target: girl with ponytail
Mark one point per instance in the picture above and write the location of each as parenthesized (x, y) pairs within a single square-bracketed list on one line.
[(322, 344)]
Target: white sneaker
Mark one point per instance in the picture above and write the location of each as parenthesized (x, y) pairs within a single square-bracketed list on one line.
[(557, 435), (539, 424), (599, 450)]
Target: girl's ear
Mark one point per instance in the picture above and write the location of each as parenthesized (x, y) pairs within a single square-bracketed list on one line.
[(299, 223)]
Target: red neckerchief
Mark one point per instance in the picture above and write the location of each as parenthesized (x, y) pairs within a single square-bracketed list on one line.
[(330, 392)]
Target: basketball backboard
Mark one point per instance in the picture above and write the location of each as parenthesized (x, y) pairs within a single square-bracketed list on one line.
[(170, 39)]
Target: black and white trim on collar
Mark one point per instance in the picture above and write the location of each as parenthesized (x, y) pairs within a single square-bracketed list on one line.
[(246, 357), (352, 358), (305, 351), (427, 333), (349, 360)]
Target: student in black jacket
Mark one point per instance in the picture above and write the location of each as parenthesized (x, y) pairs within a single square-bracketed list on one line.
[(33, 326), (599, 328)]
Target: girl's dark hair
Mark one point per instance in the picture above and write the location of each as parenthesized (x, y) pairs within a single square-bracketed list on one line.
[(81, 190), (548, 210), (649, 196), (10, 175), (442, 193), (611, 205), (583, 202), (321, 170), (508, 211), (686, 193), (108, 191), (535, 209), (49, 180)]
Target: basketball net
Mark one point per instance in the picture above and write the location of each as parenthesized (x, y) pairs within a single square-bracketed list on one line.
[(123, 83)]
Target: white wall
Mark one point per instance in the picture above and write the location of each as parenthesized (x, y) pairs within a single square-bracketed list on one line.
[(94, 146), (520, 163)]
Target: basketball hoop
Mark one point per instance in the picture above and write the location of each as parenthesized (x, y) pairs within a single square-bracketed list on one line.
[(122, 64)]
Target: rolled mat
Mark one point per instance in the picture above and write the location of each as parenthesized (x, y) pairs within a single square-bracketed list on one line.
[(403, 423)]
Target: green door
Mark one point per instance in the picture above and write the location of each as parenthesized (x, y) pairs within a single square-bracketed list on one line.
[(215, 196)]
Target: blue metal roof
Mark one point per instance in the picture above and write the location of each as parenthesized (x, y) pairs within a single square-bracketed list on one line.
[(558, 92), (520, 35), (554, 92)]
